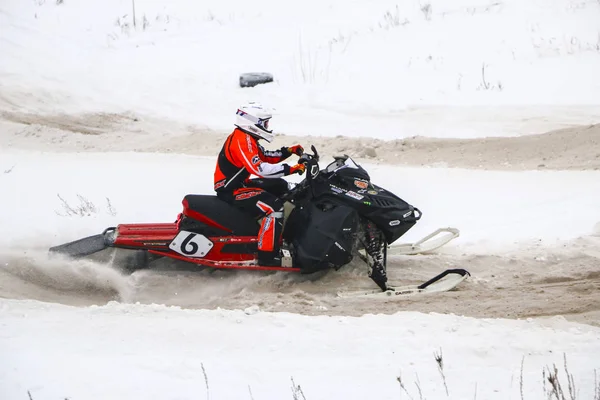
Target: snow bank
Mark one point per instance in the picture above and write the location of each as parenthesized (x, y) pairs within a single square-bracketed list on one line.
[(354, 67)]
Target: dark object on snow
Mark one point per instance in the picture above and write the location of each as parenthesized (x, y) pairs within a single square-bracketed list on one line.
[(255, 78)]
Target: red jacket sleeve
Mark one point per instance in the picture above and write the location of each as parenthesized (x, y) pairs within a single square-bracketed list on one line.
[(248, 154)]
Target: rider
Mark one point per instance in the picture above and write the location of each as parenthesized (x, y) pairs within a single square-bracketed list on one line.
[(242, 156)]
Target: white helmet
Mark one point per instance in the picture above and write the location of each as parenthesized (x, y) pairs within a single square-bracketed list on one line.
[(253, 118)]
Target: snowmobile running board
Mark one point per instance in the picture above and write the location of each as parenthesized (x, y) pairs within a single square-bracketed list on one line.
[(427, 244), (443, 282)]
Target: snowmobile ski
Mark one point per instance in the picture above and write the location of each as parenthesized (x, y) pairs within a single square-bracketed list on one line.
[(443, 282)]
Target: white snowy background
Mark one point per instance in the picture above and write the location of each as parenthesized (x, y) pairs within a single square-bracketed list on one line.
[(358, 68)]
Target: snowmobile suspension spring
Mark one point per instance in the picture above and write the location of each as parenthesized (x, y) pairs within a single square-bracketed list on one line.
[(374, 244)]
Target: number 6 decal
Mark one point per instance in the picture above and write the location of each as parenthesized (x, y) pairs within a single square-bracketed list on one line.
[(191, 244)]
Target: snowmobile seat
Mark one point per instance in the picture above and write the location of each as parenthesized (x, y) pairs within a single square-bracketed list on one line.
[(220, 212)]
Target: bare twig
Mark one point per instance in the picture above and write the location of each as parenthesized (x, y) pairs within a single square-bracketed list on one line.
[(111, 210), (426, 10), (484, 83), (133, 7), (84, 208), (250, 391), (596, 384), (521, 379), (399, 379), (546, 395), (205, 381), (459, 82), (66, 206), (297, 391), (418, 385), (29, 394), (555, 387), (86, 205), (8, 171), (570, 380), (308, 66), (440, 363), (392, 20)]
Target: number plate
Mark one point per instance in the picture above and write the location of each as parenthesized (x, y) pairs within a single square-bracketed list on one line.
[(191, 244)]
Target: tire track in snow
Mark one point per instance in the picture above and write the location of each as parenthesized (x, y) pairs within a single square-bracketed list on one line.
[(536, 282)]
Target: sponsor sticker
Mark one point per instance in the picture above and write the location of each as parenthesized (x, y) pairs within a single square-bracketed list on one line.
[(395, 222), (361, 184), (219, 184), (336, 189), (255, 160), (246, 195), (355, 195), (372, 192), (264, 230)]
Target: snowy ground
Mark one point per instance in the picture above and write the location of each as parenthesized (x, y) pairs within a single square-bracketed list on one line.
[(89, 103), (162, 350), (155, 352)]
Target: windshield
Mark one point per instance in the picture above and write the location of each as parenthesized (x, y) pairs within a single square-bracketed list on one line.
[(349, 163), (341, 163)]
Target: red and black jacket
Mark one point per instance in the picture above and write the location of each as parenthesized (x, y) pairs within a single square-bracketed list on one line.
[(242, 156)]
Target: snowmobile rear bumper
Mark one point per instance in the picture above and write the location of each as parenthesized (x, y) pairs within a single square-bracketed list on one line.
[(126, 236), (141, 236)]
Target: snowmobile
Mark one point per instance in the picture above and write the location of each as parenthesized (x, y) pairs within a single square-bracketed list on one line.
[(332, 216)]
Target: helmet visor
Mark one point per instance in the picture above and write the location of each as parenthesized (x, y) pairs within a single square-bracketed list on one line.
[(264, 123)]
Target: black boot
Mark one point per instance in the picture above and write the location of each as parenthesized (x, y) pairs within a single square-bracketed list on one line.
[(269, 258)]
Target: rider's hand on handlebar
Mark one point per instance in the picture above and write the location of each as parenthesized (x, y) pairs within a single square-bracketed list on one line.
[(297, 150), (298, 168)]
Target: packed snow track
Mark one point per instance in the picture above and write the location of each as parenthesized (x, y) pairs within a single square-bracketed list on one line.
[(518, 285)]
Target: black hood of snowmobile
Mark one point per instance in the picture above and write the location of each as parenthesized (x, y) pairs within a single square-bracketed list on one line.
[(352, 187)]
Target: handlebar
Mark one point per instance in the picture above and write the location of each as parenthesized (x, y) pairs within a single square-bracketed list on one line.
[(306, 159)]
